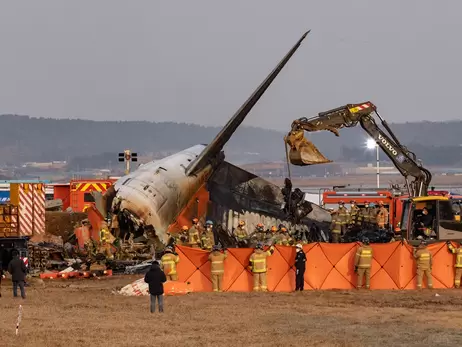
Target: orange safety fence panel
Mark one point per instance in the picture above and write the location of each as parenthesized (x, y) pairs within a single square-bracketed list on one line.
[(329, 266)]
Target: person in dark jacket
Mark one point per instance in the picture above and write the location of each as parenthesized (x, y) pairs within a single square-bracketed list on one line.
[(300, 261), (17, 269), (155, 278)]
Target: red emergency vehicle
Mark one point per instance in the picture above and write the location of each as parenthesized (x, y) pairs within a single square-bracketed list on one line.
[(78, 193)]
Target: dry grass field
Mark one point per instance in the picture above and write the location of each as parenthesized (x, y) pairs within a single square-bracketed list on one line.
[(86, 313)]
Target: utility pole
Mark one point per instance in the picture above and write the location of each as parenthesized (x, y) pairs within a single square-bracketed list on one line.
[(127, 156)]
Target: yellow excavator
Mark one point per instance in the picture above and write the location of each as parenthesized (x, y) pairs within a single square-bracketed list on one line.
[(302, 152)]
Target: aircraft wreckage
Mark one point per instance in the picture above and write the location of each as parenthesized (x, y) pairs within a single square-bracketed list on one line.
[(148, 201)]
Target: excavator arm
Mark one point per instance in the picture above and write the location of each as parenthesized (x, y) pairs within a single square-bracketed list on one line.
[(303, 152)]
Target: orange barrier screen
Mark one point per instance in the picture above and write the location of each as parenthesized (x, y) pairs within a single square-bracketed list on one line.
[(328, 266)]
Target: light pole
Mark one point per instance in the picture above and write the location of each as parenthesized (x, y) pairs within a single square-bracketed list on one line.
[(126, 157), (371, 144)]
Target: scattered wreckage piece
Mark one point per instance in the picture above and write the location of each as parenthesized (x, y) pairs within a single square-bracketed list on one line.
[(141, 288)]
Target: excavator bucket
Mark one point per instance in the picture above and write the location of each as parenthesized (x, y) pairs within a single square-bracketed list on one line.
[(303, 152)]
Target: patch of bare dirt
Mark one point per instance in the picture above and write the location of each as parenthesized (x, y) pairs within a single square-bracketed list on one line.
[(85, 313)]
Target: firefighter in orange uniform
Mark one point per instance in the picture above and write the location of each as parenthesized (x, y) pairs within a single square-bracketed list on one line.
[(169, 263), (193, 234), (217, 267), (258, 263), (382, 216), (363, 263), (424, 264), (458, 263)]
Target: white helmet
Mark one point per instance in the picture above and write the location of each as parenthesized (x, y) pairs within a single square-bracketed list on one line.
[(299, 245)]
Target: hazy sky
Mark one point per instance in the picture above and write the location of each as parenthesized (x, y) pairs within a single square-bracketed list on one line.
[(197, 61)]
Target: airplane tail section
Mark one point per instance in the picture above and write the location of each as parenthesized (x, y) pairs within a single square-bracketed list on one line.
[(214, 148)]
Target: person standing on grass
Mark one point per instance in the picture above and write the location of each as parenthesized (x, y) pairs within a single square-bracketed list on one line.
[(155, 278)]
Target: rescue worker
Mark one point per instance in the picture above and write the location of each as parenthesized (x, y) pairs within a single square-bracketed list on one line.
[(183, 235), (209, 231), (355, 214), (104, 232), (240, 234), (169, 263), (335, 227), (368, 215), (457, 264), (273, 235), (343, 216), (300, 266), (89, 247), (217, 267), (382, 216), (283, 237), (424, 264), (258, 265), (363, 263), (207, 240), (193, 234), (260, 235)]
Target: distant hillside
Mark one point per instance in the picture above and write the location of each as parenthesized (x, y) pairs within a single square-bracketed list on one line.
[(25, 139)]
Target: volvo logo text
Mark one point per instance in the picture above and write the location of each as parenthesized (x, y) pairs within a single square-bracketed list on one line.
[(387, 145)]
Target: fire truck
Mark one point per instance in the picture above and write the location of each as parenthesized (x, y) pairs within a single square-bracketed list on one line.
[(78, 194)]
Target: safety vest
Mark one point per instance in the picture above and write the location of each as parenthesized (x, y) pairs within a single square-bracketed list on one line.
[(258, 260), (424, 258), (169, 262), (217, 262), (363, 257), (458, 252)]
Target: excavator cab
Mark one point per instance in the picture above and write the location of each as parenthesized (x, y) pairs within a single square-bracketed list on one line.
[(431, 218)]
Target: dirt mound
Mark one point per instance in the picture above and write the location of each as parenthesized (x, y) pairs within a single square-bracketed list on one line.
[(62, 223)]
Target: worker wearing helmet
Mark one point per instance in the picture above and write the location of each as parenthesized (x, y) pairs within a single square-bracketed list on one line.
[(169, 264), (363, 263), (207, 239), (458, 262), (182, 237), (368, 215), (193, 234), (282, 239), (217, 267), (355, 214), (274, 235), (105, 234), (260, 232), (382, 216), (258, 264), (424, 261), (240, 233), (300, 265), (336, 227), (343, 217)]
